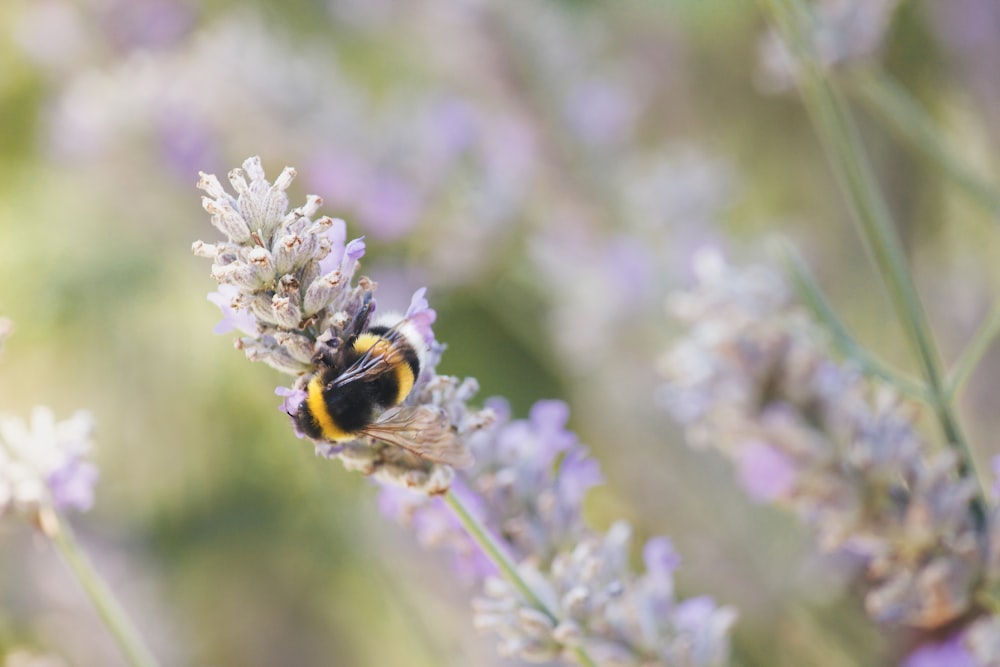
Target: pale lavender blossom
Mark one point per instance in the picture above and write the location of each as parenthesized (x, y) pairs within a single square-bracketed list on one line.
[(950, 653), (43, 464), (752, 377)]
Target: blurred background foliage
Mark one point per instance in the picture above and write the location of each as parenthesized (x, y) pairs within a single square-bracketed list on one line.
[(547, 170)]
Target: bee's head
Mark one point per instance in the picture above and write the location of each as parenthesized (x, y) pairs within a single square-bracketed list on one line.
[(329, 353)]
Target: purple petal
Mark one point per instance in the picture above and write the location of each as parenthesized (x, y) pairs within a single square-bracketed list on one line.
[(355, 249), (660, 557), (72, 485), (293, 399), (548, 418), (338, 237), (391, 207), (949, 653), (766, 473), (578, 473), (995, 489), (421, 315), (692, 614), (232, 320)]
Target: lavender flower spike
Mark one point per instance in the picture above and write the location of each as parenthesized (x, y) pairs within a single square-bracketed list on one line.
[(517, 510), (287, 284), (752, 377), (528, 485)]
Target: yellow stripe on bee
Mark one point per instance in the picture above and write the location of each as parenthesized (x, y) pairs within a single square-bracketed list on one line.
[(404, 376), (381, 346), (367, 341), (317, 406)]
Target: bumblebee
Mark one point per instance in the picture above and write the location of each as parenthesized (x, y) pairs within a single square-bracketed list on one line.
[(360, 381)]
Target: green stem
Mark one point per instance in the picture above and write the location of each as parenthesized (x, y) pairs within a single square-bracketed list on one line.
[(847, 157), (114, 616), (505, 563), (973, 352), (911, 123), (814, 298)]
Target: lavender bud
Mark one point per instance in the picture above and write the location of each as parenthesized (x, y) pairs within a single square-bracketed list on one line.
[(263, 263), (568, 633), (290, 252), (227, 220), (286, 311), (299, 347), (238, 273), (535, 623), (202, 249), (320, 292)]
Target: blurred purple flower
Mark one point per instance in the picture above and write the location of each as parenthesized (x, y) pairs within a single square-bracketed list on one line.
[(436, 526), (42, 463), (766, 473), (578, 473), (949, 653), (186, 143), (449, 129), (147, 24), (660, 557), (995, 488), (339, 176), (390, 206), (842, 452), (72, 485), (601, 112)]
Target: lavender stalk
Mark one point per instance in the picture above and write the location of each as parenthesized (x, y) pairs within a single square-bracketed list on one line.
[(566, 593), (752, 377), (850, 163), (43, 472)]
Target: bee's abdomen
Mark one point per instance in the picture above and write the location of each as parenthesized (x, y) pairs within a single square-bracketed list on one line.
[(335, 414), (395, 385)]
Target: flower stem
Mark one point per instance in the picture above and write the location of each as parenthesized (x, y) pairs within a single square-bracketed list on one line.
[(505, 563), (114, 616), (816, 301), (911, 122), (850, 164)]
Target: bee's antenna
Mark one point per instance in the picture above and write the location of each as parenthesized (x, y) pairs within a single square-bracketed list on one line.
[(360, 320)]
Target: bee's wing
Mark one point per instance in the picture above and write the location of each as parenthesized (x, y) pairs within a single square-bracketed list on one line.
[(370, 365), (423, 430)]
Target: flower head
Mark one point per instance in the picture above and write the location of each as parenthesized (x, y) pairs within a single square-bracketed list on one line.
[(43, 464), (287, 284), (753, 378)]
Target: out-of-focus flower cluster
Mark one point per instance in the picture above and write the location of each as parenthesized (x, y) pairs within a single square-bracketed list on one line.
[(752, 377), (43, 464), (286, 282), (527, 487), (841, 32)]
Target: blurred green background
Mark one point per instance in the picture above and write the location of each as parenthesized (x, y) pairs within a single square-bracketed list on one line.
[(547, 169)]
